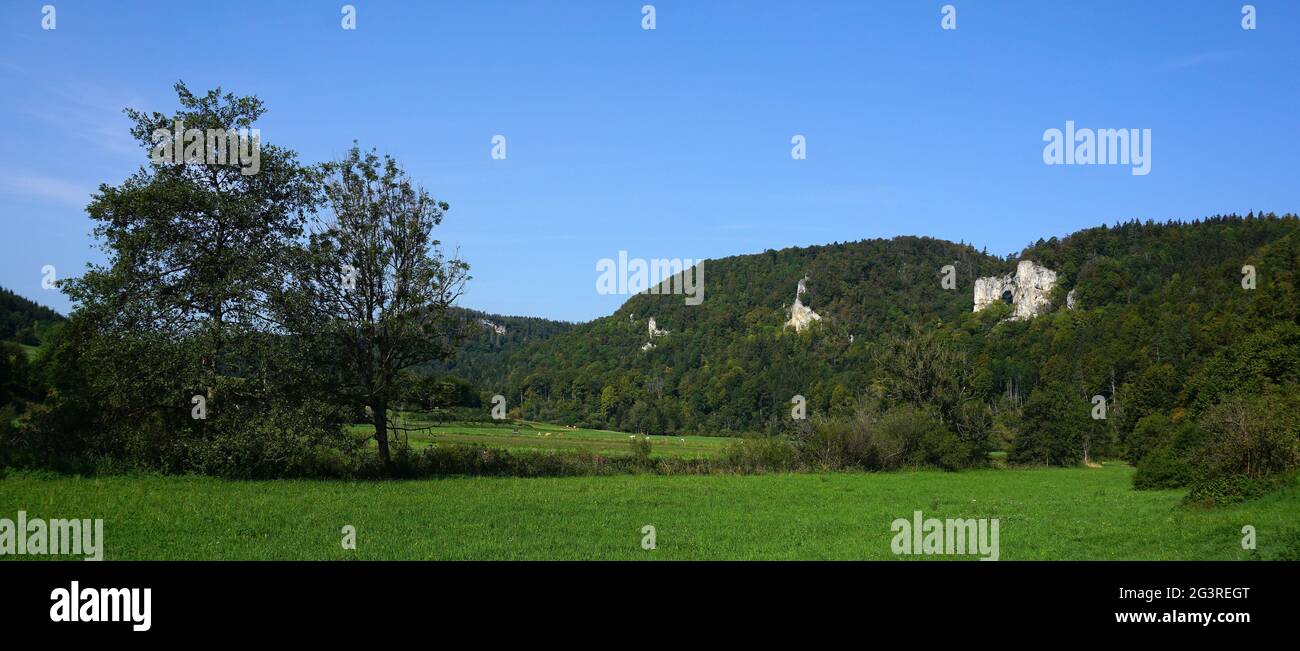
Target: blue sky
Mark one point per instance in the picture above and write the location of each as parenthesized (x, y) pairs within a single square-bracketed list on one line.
[(673, 142)]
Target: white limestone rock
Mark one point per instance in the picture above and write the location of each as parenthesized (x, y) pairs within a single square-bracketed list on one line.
[(494, 327), (655, 331), (801, 316), (1026, 290)]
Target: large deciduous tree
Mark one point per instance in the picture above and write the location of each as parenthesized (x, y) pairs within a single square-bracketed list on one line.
[(196, 246), (373, 288)]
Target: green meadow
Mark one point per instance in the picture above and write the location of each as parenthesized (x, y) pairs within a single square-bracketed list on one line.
[(1075, 513), (519, 436)]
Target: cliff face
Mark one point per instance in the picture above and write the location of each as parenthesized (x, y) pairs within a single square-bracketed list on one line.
[(801, 316), (654, 331), (1027, 290), (494, 327)]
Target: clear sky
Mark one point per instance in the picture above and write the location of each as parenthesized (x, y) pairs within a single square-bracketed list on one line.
[(673, 142)]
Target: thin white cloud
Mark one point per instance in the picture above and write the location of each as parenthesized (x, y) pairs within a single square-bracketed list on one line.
[(85, 111), (46, 188)]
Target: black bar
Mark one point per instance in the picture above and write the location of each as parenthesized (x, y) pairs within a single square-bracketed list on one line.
[(332, 599)]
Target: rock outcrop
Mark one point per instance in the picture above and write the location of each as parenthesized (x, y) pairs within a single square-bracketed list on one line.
[(801, 316), (1026, 290), (494, 327), (654, 331)]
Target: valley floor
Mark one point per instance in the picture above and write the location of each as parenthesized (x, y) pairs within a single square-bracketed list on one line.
[(1044, 514), (520, 436)]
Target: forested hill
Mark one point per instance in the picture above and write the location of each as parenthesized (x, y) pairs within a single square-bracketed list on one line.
[(20, 318), (1141, 260), (1163, 296), (722, 362), (490, 340)]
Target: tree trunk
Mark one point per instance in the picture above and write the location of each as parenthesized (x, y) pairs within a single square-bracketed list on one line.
[(380, 412)]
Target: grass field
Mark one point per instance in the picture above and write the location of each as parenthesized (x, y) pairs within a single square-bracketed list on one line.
[(529, 435), (1044, 514), (32, 352)]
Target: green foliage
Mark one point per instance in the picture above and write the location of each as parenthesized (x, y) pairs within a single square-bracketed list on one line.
[(760, 454), (915, 437), (17, 381), (1287, 548), (180, 312), (640, 448), (1239, 449), (22, 320), (1102, 280), (1253, 362), (1170, 456), (924, 369), (1151, 432), (1230, 489), (430, 392), (1157, 301), (902, 436), (370, 293), (1254, 435), (1056, 421), (1154, 391), (729, 365), (478, 358)]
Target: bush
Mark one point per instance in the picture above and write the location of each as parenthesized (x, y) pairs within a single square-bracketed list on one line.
[(1228, 489), (1240, 448), (1253, 434), (1150, 432), (1172, 460), (904, 436), (758, 454), (48, 436), (640, 448), (838, 444), (443, 460), (913, 437)]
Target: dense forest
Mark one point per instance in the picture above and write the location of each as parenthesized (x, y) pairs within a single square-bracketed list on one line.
[(21, 320), (494, 338), (728, 364), (23, 325), (1151, 298)]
